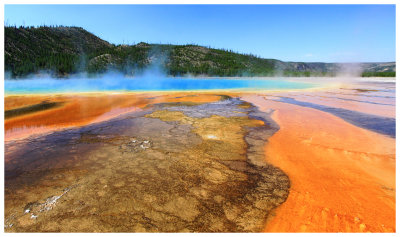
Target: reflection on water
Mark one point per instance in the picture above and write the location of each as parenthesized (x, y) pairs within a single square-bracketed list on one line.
[(25, 131), (372, 122), (366, 105), (78, 110)]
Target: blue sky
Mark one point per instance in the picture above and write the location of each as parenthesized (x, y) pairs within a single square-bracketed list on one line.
[(311, 33)]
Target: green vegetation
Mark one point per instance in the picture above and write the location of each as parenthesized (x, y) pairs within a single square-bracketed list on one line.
[(378, 74), (290, 73), (68, 50), (197, 60), (58, 49)]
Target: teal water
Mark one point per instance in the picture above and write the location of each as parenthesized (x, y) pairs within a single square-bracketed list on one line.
[(48, 85)]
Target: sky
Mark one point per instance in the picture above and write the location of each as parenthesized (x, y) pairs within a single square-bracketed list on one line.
[(307, 33)]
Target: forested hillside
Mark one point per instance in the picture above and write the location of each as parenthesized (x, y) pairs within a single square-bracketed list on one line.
[(68, 50)]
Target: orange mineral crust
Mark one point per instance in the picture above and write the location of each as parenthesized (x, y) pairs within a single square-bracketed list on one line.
[(342, 176), (82, 109)]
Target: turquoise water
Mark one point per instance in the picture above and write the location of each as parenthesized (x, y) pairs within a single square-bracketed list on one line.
[(48, 85)]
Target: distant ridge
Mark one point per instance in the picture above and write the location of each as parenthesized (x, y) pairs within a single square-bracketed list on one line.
[(67, 50)]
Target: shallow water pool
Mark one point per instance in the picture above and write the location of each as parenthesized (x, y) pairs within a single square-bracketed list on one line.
[(48, 85)]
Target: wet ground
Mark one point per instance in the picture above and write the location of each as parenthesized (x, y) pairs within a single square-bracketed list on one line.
[(320, 160), (380, 124), (342, 172), (172, 167)]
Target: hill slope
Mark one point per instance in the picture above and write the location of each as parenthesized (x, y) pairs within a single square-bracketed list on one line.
[(67, 50)]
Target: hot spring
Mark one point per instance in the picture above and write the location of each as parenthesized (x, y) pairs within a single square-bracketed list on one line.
[(121, 84)]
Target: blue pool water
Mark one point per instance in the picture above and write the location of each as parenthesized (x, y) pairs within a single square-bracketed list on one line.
[(49, 85)]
